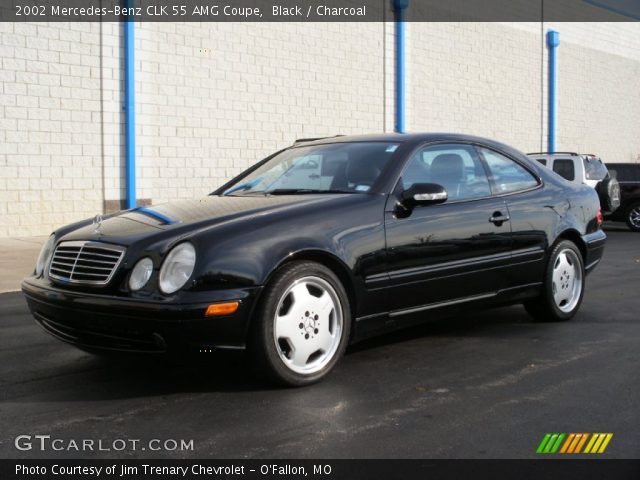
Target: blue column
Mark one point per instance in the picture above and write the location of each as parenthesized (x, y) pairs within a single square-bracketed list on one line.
[(130, 111), (553, 40), (399, 6)]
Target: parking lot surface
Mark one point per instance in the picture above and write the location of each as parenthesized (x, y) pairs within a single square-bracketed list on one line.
[(482, 385)]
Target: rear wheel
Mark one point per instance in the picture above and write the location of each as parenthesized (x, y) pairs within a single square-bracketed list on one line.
[(632, 216), (563, 287), (303, 325)]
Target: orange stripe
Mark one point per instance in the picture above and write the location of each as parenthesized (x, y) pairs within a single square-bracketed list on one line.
[(574, 443), (567, 442), (584, 439)]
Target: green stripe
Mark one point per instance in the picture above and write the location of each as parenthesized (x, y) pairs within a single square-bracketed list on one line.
[(552, 440), (558, 442), (543, 443)]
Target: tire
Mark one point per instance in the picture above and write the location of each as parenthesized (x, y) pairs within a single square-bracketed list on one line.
[(632, 216), (609, 192), (298, 341), (563, 287)]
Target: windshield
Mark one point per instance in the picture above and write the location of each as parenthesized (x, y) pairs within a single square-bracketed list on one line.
[(594, 169), (330, 168)]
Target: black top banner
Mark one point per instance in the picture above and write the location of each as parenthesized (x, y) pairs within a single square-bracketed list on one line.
[(320, 10)]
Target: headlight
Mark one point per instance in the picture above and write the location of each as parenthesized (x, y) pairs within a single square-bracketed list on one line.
[(141, 274), (45, 255), (177, 268)]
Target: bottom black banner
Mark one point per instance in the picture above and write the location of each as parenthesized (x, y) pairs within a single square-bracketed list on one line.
[(541, 469)]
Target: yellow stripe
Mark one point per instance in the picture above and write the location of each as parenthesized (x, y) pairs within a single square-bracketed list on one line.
[(605, 443), (584, 439), (574, 443), (590, 444), (598, 442), (567, 442)]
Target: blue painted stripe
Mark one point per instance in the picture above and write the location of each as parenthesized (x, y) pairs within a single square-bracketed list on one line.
[(130, 112), (399, 7), (553, 41), (155, 214)]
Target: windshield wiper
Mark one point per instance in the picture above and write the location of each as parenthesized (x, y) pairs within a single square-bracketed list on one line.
[(301, 191)]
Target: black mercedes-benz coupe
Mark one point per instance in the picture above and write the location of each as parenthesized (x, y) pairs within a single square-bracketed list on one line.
[(322, 244)]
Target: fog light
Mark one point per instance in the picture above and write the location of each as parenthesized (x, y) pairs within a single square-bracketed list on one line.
[(219, 309), (141, 274)]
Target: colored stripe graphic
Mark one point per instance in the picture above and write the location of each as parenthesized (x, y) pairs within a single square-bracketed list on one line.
[(598, 443), (572, 443), (550, 443), (581, 443), (567, 443)]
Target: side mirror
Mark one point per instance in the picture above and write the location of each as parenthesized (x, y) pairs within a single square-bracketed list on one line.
[(423, 194)]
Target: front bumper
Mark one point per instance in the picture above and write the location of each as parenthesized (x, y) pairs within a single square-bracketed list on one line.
[(594, 244), (99, 322)]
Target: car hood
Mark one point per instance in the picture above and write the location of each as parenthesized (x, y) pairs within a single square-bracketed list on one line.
[(184, 216)]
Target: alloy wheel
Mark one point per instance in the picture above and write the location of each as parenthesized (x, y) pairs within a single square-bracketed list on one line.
[(634, 217), (567, 280), (308, 325)]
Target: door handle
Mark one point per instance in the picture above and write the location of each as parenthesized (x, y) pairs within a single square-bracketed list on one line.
[(498, 218)]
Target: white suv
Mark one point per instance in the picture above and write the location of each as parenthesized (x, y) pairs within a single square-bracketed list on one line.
[(587, 169)]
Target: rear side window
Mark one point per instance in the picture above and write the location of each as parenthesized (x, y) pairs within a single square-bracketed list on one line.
[(565, 169), (594, 169), (508, 176), (543, 161)]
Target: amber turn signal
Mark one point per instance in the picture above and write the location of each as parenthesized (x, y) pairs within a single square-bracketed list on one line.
[(218, 309)]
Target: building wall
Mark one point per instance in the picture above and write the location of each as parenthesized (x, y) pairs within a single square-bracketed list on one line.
[(214, 98), (475, 78)]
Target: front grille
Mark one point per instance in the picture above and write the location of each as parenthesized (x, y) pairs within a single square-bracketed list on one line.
[(91, 263)]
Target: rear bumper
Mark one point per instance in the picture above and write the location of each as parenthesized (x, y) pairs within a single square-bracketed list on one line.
[(594, 243), (109, 323)]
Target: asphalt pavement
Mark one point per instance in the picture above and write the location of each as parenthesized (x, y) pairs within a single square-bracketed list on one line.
[(482, 385)]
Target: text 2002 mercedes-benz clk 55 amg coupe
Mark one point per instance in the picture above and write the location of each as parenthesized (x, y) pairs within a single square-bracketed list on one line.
[(322, 244)]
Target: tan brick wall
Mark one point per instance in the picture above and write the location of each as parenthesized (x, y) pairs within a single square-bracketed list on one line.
[(215, 98)]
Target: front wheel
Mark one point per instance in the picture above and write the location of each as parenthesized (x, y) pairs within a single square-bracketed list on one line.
[(302, 327), (563, 286), (632, 217)]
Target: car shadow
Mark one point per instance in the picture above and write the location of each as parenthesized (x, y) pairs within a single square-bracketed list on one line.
[(78, 376), (617, 227), (483, 322)]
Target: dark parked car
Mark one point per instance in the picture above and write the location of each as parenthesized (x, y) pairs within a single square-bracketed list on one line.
[(628, 175), (321, 244)]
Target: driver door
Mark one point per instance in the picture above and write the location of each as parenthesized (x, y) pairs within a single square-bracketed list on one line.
[(452, 252)]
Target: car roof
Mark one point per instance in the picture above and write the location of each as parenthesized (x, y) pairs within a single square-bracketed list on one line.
[(404, 138)]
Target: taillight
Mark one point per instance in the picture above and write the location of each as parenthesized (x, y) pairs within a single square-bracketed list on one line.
[(599, 217)]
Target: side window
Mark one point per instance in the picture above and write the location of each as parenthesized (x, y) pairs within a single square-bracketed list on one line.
[(508, 175), (543, 161), (565, 169), (456, 167)]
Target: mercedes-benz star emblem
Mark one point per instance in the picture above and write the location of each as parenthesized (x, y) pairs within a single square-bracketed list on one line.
[(97, 223)]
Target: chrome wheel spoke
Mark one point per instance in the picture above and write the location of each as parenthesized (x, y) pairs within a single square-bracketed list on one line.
[(300, 354), (325, 339), (286, 326)]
